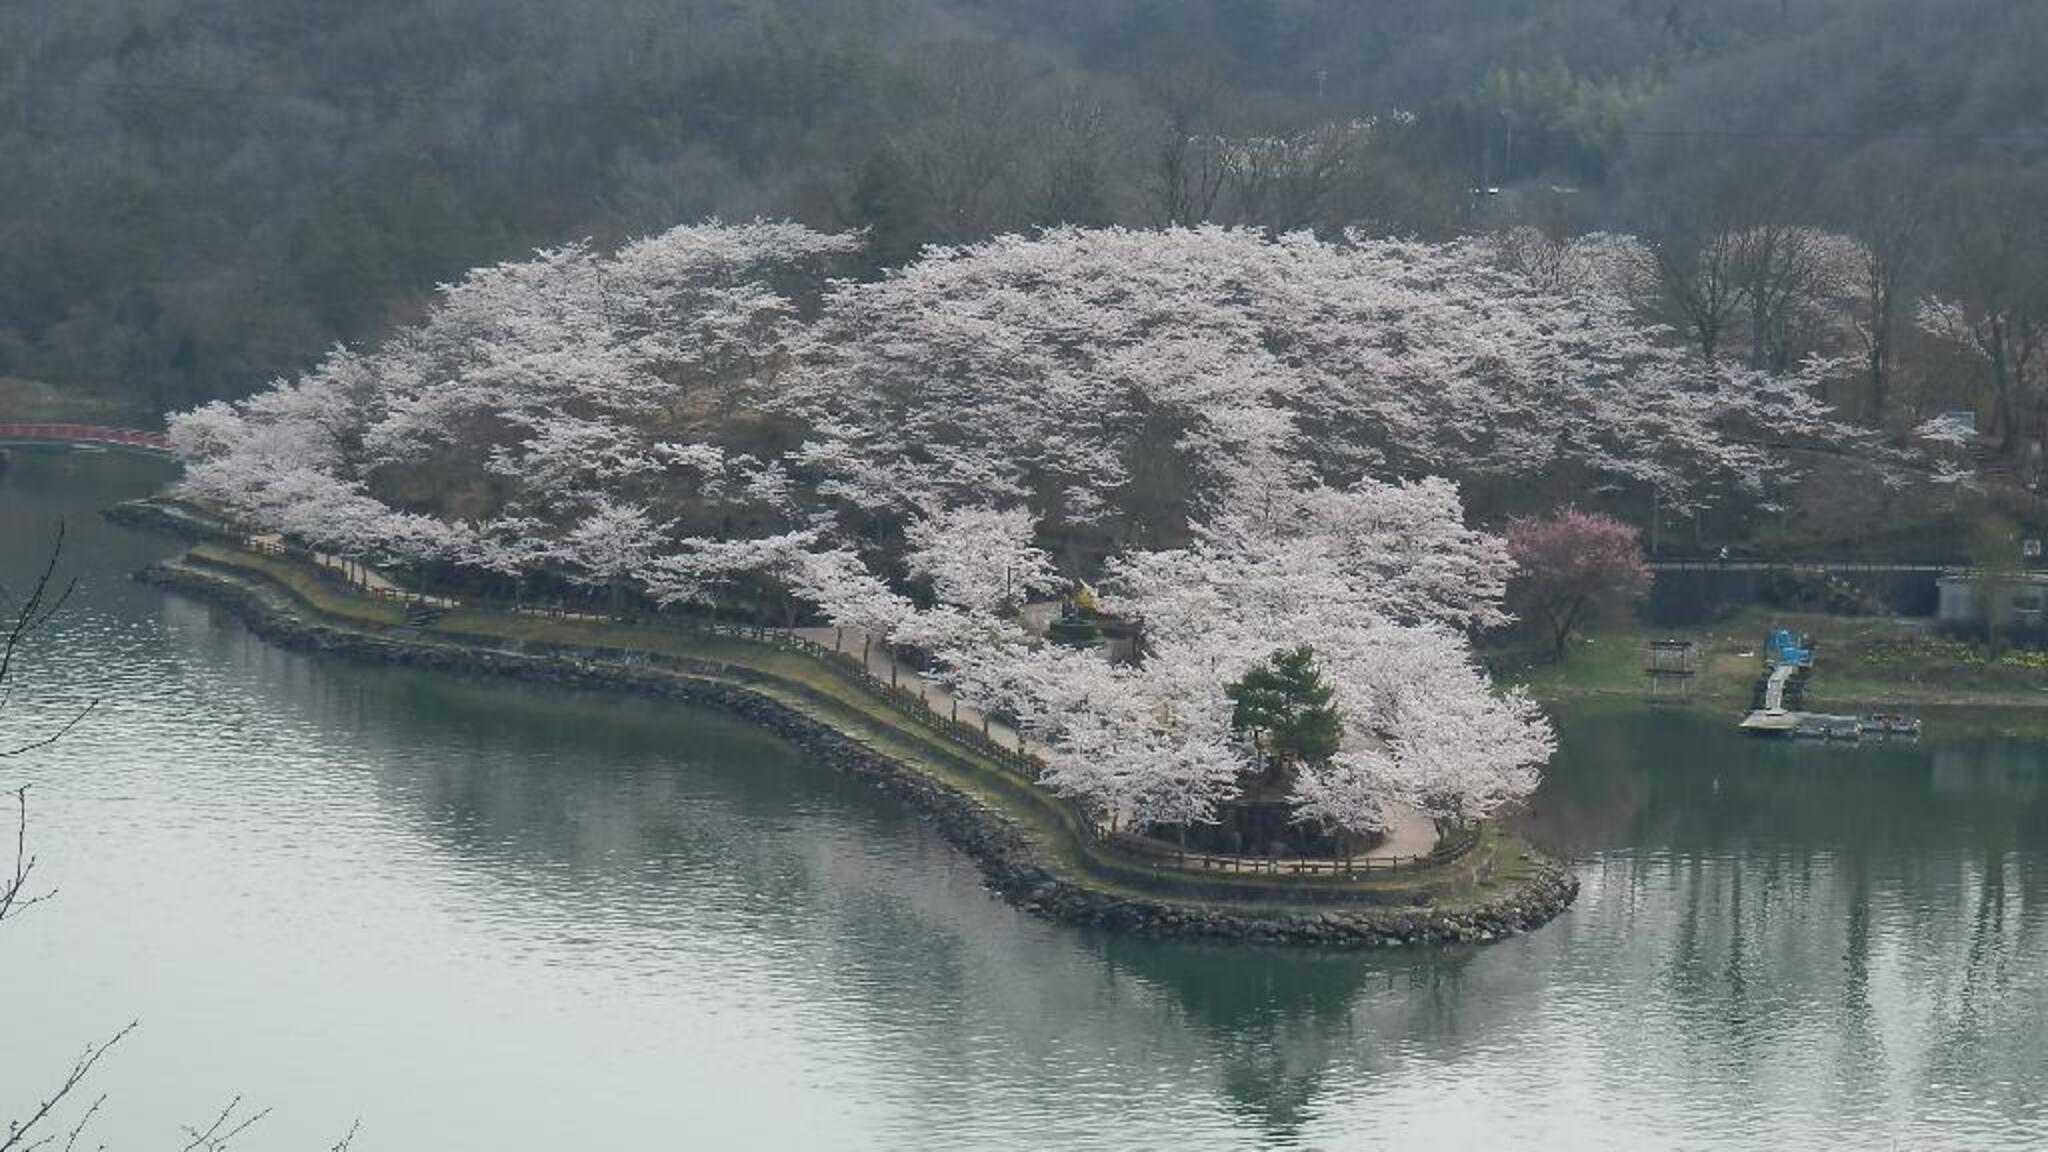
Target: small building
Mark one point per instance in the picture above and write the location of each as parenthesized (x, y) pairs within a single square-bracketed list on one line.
[(2017, 600), (1671, 664)]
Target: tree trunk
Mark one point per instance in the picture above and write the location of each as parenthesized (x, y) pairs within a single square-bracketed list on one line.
[(1562, 621), (1880, 347)]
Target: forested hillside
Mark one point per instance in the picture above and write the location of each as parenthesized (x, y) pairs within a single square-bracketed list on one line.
[(199, 195)]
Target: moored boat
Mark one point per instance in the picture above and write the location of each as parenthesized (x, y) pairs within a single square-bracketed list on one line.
[(1891, 724)]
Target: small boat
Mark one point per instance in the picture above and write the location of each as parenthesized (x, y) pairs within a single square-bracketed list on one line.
[(1891, 724), (1846, 730), (1811, 730)]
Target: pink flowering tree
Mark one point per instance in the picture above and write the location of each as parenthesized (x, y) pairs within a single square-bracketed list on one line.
[(1573, 566)]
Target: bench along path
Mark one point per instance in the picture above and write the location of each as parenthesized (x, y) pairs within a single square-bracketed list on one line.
[(1412, 833)]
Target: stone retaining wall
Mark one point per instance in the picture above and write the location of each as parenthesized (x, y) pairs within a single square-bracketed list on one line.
[(1011, 861)]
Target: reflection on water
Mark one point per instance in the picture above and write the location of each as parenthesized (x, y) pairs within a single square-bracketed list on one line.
[(487, 915)]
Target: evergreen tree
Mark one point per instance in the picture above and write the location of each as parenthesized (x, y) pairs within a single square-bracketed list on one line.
[(1287, 708)]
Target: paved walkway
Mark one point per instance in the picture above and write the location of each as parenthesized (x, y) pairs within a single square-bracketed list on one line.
[(1412, 833), (356, 572), (883, 666)]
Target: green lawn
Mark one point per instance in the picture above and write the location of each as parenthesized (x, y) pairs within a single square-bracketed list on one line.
[(1858, 660)]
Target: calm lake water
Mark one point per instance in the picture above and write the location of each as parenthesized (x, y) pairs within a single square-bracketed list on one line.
[(485, 916)]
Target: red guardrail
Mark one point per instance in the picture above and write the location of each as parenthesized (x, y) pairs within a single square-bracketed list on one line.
[(86, 434)]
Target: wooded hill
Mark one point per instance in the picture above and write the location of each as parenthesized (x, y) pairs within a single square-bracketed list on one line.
[(200, 195)]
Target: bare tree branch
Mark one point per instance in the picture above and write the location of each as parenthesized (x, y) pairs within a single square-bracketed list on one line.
[(18, 1132), (12, 893), (78, 1129), (225, 1127), (31, 612)]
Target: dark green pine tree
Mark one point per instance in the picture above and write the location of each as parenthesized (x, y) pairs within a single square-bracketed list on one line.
[(1287, 708)]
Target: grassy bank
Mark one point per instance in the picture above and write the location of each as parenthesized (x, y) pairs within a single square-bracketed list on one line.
[(1858, 661)]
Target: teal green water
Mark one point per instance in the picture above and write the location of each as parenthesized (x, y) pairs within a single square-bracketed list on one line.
[(480, 915)]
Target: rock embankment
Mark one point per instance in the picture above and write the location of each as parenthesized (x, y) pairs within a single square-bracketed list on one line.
[(1014, 864)]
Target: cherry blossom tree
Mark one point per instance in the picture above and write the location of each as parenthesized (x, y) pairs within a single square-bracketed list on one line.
[(1248, 425), (1606, 263), (1140, 746), (981, 559), (545, 394), (511, 547), (1127, 380), (1152, 742), (762, 568), (613, 544), (1574, 565), (849, 595), (1133, 377)]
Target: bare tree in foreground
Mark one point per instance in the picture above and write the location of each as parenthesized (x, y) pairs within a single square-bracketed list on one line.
[(28, 613), (43, 1130)]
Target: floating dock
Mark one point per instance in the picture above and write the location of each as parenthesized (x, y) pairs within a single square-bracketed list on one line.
[(1814, 725), (1827, 725), (1788, 660), (1767, 723)]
